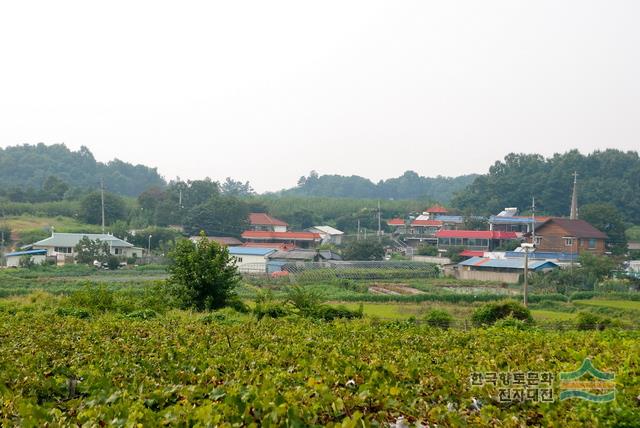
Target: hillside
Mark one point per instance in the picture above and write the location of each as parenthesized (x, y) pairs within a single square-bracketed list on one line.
[(609, 176), (410, 185), (28, 166)]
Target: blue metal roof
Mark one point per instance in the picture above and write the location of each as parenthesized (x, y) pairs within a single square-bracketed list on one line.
[(450, 218), (27, 253), (514, 263), (511, 220), (250, 251), (544, 255)]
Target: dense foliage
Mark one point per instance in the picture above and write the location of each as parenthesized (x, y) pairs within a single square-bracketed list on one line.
[(609, 176), (53, 169), (202, 274), (408, 186), (146, 370)]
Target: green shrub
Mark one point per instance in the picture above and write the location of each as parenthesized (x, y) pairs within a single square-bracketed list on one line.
[(97, 298), (143, 314), (271, 310), (73, 312), (492, 312), (306, 300), (329, 313), (511, 322), (591, 321), (113, 262), (438, 318)]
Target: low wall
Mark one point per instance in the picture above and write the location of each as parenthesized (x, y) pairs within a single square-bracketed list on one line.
[(431, 259), (508, 277)]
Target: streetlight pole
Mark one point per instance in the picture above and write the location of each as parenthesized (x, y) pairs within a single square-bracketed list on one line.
[(525, 289), (149, 249)]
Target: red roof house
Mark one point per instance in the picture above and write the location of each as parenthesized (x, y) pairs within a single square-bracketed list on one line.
[(264, 222)]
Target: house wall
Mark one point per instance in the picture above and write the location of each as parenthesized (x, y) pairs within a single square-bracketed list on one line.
[(126, 252), (478, 275), (251, 263), (15, 260), (553, 239)]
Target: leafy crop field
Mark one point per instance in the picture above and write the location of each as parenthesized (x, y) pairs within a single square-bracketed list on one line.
[(186, 369), (616, 304)]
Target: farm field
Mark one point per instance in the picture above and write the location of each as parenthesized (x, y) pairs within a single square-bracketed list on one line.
[(616, 304), (80, 346)]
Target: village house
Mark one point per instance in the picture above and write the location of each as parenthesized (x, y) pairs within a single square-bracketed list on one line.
[(298, 239), (62, 245), (504, 270), (328, 234), (474, 242), (251, 260), (264, 222), (573, 236), (37, 257)]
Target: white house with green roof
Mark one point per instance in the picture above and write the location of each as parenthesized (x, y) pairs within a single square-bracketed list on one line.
[(62, 245)]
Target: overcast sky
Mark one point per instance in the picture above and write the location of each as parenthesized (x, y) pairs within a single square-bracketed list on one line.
[(266, 91)]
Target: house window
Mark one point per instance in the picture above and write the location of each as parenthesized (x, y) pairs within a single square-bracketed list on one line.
[(64, 250), (592, 244), (537, 240), (239, 259), (568, 242), (117, 251)]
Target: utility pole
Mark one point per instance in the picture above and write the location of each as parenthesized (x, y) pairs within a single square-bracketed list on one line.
[(379, 225), (533, 220), (102, 200), (525, 289), (358, 237)]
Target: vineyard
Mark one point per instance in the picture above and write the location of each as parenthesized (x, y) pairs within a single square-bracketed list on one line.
[(95, 349)]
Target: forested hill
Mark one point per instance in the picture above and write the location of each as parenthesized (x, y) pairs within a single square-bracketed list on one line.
[(408, 186), (28, 166), (609, 176)]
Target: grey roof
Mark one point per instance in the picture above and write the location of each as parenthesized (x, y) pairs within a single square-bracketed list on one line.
[(515, 263), (72, 239), (305, 255)]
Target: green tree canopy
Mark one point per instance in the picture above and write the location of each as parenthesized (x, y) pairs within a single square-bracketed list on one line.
[(203, 275), (91, 208), (364, 249)]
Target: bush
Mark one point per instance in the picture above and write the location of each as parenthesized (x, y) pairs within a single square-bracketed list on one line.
[(492, 312), (271, 310), (438, 318), (427, 250), (113, 262), (591, 321), (511, 322), (306, 300), (329, 313), (143, 314), (73, 312)]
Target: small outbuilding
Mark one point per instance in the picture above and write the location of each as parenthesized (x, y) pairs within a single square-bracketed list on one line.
[(37, 257), (504, 270)]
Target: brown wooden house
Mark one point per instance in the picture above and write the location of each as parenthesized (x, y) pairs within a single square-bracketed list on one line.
[(569, 236)]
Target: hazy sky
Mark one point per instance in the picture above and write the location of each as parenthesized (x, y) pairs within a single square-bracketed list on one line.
[(268, 90)]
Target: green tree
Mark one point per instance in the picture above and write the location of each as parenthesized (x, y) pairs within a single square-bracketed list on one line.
[(365, 249), (607, 218), (220, 215), (89, 250), (203, 275), (54, 188), (599, 267), (91, 208)]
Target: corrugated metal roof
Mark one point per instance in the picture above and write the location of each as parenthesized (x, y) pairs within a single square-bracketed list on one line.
[(395, 222), (509, 263), (250, 251), (450, 218), (72, 239), (27, 253), (476, 234), (328, 230), (544, 255), (294, 236)]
